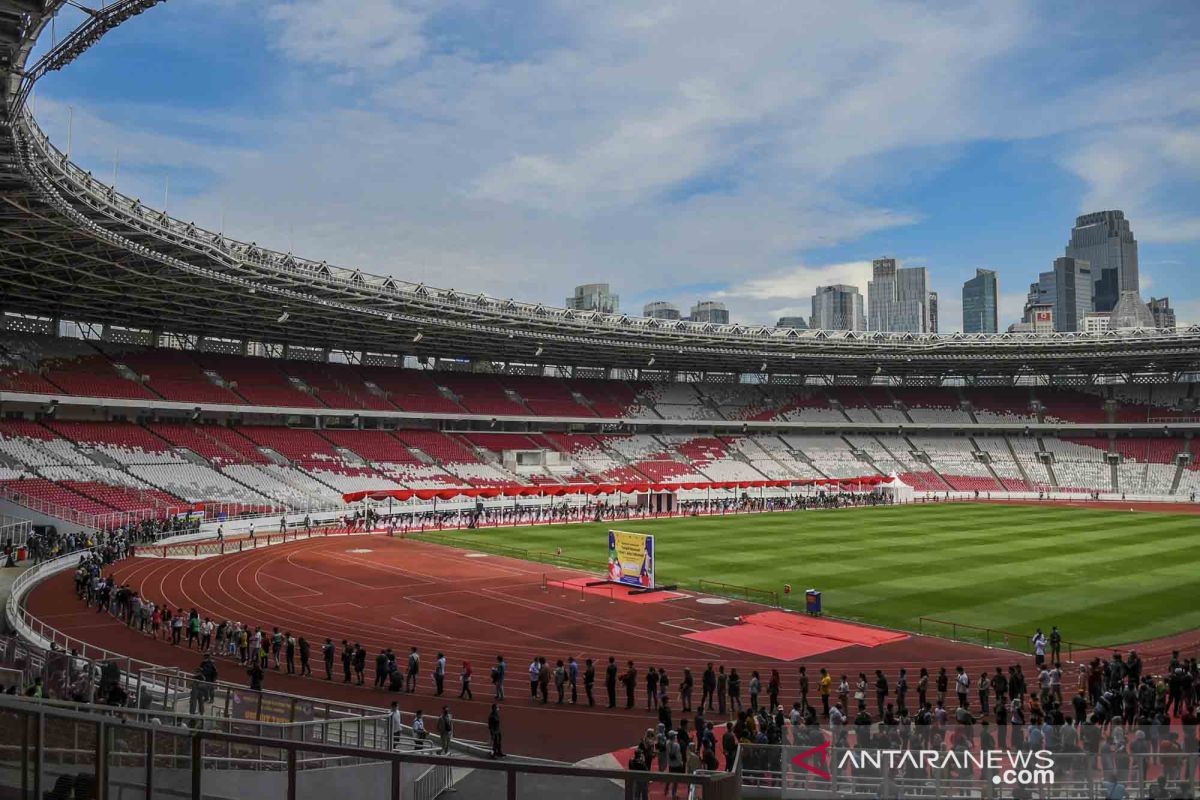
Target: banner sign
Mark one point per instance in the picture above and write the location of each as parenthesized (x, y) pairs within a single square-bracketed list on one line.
[(631, 558)]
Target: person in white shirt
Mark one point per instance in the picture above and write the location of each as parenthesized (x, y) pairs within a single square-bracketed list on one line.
[(1039, 647), (397, 725), (419, 732)]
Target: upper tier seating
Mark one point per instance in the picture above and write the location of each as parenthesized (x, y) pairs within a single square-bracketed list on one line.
[(411, 390), (260, 381), (481, 394), (175, 375)]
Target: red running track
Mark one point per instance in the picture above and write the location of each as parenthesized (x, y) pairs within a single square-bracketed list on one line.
[(388, 592)]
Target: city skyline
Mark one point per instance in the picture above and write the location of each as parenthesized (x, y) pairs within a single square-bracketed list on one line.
[(519, 151)]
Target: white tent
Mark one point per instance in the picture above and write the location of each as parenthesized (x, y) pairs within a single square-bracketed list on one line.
[(900, 491)]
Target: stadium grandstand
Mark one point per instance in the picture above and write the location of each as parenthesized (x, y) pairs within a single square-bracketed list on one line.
[(153, 371)]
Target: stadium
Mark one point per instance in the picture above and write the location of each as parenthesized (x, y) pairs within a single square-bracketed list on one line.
[(284, 445)]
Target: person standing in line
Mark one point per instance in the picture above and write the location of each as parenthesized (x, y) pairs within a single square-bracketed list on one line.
[(610, 682), (439, 674), (943, 685), (1055, 644), (327, 654), (498, 673), (289, 650), (464, 678), (962, 684), (844, 692), (651, 689), (380, 668), (922, 688), (735, 690), (902, 690), (984, 690), (414, 668), (560, 679), (445, 728), (544, 673), (589, 682), (573, 678), (803, 690), (755, 686), (825, 689), (722, 689), (419, 732), (360, 663), (881, 690), (493, 723), (630, 681), (256, 676), (535, 669), (396, 723), (773, 691), (276, 647), (305, 669), (708, 685), (685, 690), (1039, 648), (729, 743)]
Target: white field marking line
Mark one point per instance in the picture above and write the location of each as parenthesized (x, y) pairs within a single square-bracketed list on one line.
[(420, 578), (247, 608), (345, 580), (338, 603), (577, 616), (508, 567), (503, 569), (310, 592), (436, 580), (430, 631), (711, 625)]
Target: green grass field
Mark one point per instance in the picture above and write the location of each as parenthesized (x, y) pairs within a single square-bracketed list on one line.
[(1103, 576)]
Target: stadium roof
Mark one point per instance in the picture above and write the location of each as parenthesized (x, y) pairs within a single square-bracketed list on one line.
[(74, 248)]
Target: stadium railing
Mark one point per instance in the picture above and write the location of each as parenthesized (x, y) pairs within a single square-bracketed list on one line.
[(996, 638), (748, 593), (92, 754)]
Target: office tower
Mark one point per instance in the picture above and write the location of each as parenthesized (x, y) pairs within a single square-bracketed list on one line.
[(799, 323), (898, 299), (1164, 315), (594, 297), (661, 309), (979, 303), (710, 311), (1105, 241), (933, 312), (838, 308), (1072, 293)]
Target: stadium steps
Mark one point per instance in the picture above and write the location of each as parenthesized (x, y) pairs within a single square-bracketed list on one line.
[(1048, 464), (929, 464), (862, 455), (899, 406), (1116, 482), (1178, 477), (806, 459), (1020, 467), (975, 446)]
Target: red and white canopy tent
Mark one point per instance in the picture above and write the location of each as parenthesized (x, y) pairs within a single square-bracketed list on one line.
[(866, 483)]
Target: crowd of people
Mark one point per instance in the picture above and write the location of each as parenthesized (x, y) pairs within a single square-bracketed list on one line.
[(45, 543)]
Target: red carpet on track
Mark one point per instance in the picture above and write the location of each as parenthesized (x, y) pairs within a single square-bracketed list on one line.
[(788, 637), (614, 591)]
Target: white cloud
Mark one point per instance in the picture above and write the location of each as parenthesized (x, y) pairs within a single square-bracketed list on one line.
[(651, 145), (363, 34), (1127, 168)]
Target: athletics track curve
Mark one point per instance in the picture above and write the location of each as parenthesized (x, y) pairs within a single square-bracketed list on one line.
[(397, 593)]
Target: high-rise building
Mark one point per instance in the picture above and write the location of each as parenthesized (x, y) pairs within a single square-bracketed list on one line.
[(980, 303), (838, 308), (594, 297), (898, 299), (799, 323), (1072, 293), (933, 312), (1164, 315), (710, 311), (661, 309), (1096, 321), (1105, 241)]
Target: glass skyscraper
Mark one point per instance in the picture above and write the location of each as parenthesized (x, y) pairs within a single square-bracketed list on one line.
[(1105, 241), (979, 303), (898, 299)]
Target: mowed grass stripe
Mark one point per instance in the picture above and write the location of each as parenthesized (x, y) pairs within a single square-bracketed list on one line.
[(1102, 576)]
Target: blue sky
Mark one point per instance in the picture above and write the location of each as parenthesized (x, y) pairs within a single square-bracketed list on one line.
[(748, 152)]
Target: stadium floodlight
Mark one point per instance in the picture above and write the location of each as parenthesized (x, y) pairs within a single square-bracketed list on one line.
[(539, 351), (650, 363), (418, 337), (763, 368), (283, 317)]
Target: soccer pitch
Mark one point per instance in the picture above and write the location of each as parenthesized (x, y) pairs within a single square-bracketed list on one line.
[(1103, 576)]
